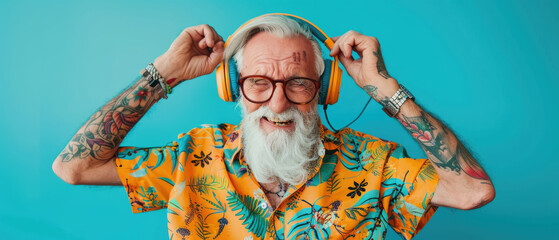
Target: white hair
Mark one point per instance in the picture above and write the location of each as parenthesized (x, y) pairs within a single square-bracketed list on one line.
[(278, 25)]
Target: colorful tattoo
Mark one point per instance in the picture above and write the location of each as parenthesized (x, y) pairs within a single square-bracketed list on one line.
[(170, 81), (141, 94), (469, 164), (101, 135), (435, 141)]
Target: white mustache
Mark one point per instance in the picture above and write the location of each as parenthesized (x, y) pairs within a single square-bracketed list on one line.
[(287, 115)]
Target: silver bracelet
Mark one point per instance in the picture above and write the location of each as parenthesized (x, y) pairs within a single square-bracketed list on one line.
[(157, 82), (154, 84), (393, 105)]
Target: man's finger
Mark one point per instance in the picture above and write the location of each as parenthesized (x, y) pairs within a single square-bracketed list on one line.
[(360, 53), (347, 49), (209, 35), (217, 37), (336, 47), (334, 51), (203, 44), (198, 31), (216, 56), (346, 61)]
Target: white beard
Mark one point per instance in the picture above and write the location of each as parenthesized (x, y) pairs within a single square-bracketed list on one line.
[(281, 155)]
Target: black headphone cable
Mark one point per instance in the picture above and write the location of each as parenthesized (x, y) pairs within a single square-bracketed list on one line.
[(335, 130)]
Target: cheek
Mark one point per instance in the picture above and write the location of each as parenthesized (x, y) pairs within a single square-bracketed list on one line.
[(251, 107), (305, 108)]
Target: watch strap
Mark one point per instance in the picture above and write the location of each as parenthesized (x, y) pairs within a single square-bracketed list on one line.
[(154, 83), (392, 106)]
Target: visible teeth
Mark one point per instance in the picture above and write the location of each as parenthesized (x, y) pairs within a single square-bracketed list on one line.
[(279, 122)]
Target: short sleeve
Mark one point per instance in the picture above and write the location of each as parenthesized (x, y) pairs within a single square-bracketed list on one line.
[(148, 175), (407, 188)]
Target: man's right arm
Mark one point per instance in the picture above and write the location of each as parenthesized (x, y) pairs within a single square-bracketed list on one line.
[(89, 156)]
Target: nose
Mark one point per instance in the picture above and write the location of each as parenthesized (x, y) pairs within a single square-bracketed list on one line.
[(278, 103)]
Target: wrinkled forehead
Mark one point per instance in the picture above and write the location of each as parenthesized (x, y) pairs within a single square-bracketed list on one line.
[(265, 50)]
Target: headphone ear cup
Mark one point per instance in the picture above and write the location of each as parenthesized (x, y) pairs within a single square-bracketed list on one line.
[(325, 82), (227, 79), (335, 82), (221, 79), (233, 80)]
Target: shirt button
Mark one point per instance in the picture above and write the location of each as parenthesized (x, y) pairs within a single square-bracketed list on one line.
[(263, 205), (321, 151)]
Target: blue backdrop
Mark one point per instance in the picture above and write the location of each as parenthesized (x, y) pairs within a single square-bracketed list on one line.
[(487, 68)]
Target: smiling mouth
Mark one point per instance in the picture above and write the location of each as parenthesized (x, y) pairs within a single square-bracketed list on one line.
[(278, 122)]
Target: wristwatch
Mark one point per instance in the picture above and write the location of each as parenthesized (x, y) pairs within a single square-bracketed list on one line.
[(392, 106)]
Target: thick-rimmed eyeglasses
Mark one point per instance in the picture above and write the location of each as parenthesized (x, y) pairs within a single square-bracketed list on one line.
[(298, 90)]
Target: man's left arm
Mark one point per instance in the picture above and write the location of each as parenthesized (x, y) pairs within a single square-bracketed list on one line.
[(463, 183)]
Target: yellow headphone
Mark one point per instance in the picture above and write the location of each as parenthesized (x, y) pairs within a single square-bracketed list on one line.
[(228, 77)]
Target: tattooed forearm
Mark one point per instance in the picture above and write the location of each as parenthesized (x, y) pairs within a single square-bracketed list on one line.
[(384, 101), (380, 65), (101, 135), (439, 142), (372, 91)]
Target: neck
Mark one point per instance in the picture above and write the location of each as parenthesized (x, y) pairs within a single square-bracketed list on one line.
[(277, 189)]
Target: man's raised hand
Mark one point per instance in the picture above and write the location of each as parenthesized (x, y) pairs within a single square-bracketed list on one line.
[(195, 52), (369, 71)]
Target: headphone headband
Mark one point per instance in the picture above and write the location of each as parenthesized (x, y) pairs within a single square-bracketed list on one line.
[(316, 31)]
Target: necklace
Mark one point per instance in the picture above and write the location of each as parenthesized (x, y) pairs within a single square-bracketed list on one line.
[(281, 192)]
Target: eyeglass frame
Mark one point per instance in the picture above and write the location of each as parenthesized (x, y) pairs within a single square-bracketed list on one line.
[(274, 84)]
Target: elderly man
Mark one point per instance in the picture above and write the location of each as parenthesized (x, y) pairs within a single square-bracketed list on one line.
[(280, 174)]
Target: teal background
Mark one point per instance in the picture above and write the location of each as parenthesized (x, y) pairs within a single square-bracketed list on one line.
[(487, 68)]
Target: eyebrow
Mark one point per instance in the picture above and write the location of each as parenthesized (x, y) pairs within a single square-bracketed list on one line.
[(262, 72), (288, 78)]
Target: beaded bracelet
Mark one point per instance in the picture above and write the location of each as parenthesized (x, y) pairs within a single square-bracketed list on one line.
[(155, 79)]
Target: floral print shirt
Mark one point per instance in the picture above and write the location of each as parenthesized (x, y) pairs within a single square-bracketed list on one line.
[(361, 186)]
